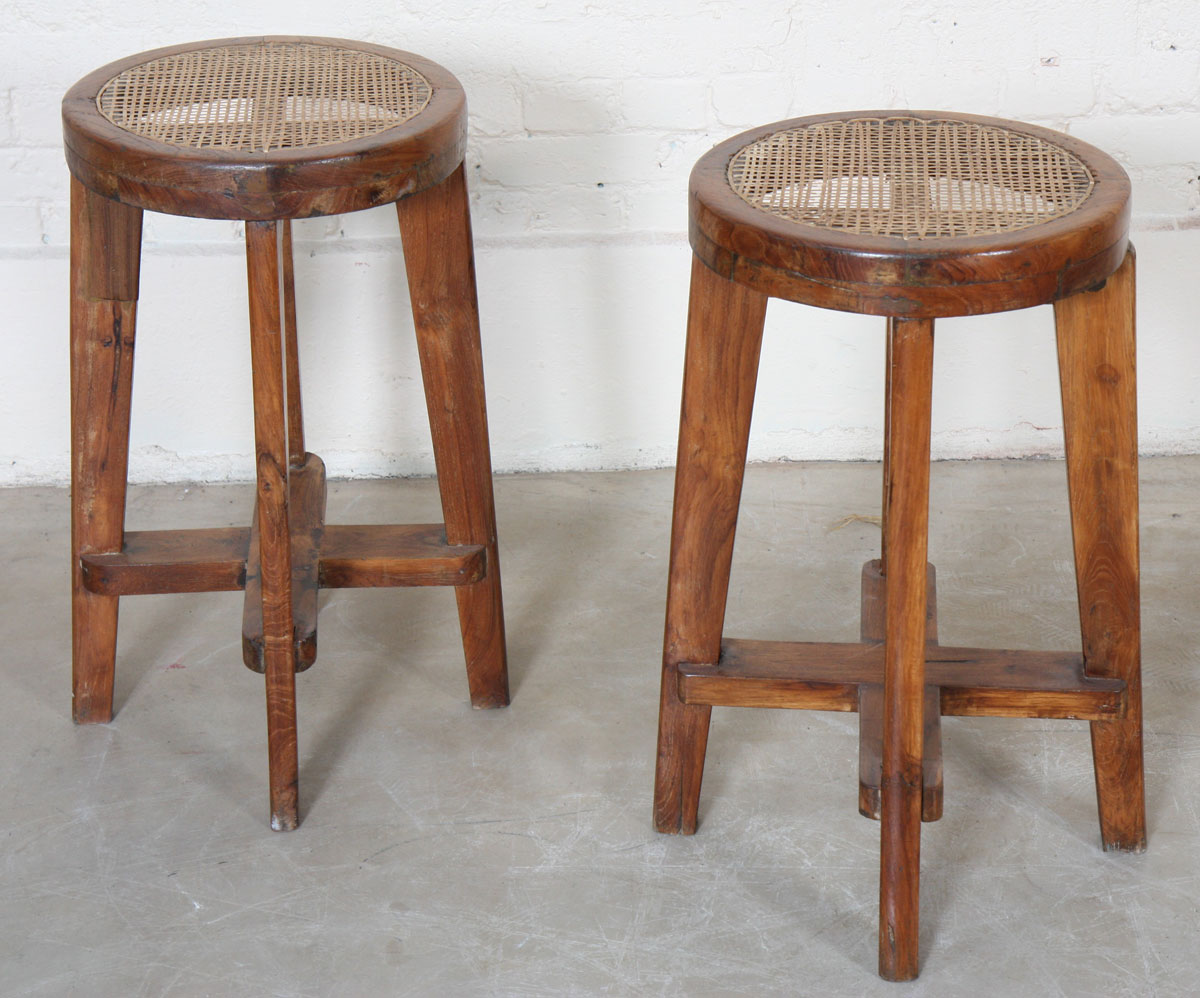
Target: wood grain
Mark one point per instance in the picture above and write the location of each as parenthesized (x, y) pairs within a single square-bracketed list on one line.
[(906, 520), (870, 700), (906, 278), (872, 618), (203, 560), (291, 342), (286, 183), (724, 335), (1097, 368), (436, 229), (105, 254), (355, 556), (870, 753), (287, 554), (898, 677), (974, 682), (263, 253), (306, 524)]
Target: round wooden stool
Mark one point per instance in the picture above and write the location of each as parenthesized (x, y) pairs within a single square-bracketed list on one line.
[(909, 215), (267, 130)]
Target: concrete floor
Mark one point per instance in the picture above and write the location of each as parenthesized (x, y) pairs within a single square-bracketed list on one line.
[(446, 852)]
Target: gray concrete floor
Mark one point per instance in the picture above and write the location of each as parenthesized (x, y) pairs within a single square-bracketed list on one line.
[(447, 852)]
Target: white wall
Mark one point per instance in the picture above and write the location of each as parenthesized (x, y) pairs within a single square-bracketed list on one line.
[(586, 117)]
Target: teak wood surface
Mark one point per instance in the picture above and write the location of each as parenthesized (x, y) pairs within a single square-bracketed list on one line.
[(899, 677), (870, 699), (906, 278), (106, 239), (284, 183), (725, 322), (1097, 369), (289, 552), (906, 527), (264, 249), (436, 227)]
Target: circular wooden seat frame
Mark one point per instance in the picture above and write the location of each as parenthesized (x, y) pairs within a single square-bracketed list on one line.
[(411, 156), (899, 679)]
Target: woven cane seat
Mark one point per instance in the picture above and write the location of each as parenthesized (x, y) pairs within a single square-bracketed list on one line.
[(265, 95), (265, 127), (910, 213)]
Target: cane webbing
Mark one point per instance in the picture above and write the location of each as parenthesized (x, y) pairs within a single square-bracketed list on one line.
[(263, 96), (910, 177)]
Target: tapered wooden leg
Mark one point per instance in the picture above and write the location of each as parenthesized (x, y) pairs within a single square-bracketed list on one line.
[(1096, 360), (887, 465), (106, 239), (264, 262), (873, 628), (436, 229), (906, 519), (295, 412), (725, 324)]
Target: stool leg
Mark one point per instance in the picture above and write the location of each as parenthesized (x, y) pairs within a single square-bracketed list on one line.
[(106, 239), (435, 226), (906, 522), (295, 413), (1096, 359), (873, 627), (264, 264), (725, 324)]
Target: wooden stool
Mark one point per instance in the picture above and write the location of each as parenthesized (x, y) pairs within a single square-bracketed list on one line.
[(913, 216), (267, 130)]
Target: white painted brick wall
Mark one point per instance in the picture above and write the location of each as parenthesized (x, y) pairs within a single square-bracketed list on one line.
[(666, 105), (586, 118)]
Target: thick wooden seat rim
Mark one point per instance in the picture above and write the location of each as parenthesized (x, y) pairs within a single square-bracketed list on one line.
[(910, 278), (283, 183)]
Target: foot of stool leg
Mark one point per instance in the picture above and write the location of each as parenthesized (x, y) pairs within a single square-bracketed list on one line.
[(682, 744), (435, 226), (906, 520), (264, 244), (106, 239), (1096, 347), (725, 323)]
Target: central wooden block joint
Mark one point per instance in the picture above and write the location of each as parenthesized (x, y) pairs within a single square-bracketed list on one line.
[(352, 556), (870, 703)]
